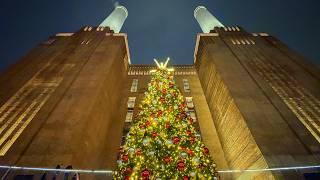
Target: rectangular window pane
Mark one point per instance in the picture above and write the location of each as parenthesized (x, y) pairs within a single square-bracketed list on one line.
[(189, 101), (186, 86), (134, 86), (131, 102), (129, 116), (193, 116)]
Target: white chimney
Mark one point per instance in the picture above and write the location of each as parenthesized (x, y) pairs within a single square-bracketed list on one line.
[(206, 20), (116, 19)]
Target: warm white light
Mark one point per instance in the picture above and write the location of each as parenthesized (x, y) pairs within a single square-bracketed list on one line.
[(162, 65)]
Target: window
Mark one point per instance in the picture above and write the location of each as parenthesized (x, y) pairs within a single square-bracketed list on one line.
[(131, 102), (86, 42), (193, 116), (189, 102), (64, 34), (134, 85), (186, 86), (129, 116), (233, 42), (252, 42)]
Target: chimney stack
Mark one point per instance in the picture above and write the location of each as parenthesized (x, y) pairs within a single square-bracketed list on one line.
[(116, 19), (206, 20)]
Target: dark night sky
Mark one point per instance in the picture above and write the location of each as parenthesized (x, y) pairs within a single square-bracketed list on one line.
[(158, 28)]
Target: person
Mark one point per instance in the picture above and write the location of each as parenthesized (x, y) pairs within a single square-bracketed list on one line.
[(66, 175), (57, 172), (76, 176), (44, 176)]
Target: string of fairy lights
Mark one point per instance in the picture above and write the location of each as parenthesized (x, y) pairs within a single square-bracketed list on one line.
[(164, 127)]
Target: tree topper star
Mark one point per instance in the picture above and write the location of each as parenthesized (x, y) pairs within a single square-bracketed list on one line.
[(162, 65)]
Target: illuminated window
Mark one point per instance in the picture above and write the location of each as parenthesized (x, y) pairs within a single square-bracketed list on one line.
[(193, 115), (85, 41), (134, 86), (233, 42), (252, 42), (186, 85), (129, 116), (189, 102), (21, 108), (131, 102)]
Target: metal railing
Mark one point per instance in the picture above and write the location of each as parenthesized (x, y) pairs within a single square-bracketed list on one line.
[(10, 172)]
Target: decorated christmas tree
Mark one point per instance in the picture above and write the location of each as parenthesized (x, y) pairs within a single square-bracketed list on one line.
[(163, 142)]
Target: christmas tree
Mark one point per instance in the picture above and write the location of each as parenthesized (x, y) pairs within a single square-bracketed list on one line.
[(163, 142)]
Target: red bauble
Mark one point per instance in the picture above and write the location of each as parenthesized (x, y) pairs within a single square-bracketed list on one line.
[(183, 105), (181, 165), (190, 152), (148, 123), (205, 150), (125, 158), (176, 140), (129, 170), (186, 178), (159, 113), (145, 173), (138, 152), (154, 134), (188, 132), (126, 178), (164, 91), (167, 159)]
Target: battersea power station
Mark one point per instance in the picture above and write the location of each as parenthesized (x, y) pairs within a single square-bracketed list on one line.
[(67, 106)]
